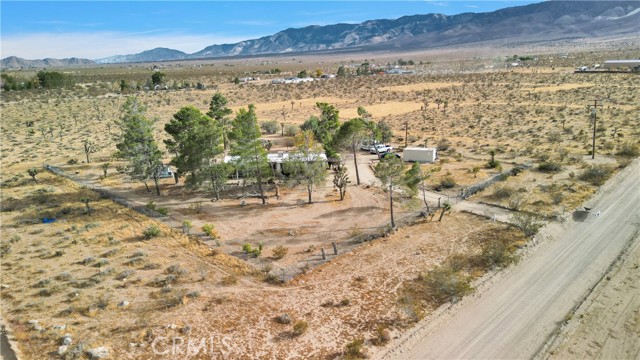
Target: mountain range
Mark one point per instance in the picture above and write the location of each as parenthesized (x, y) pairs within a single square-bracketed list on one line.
[(545, 21)]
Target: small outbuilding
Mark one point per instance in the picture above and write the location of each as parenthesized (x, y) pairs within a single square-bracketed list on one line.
[(623, 64), (418, 154)]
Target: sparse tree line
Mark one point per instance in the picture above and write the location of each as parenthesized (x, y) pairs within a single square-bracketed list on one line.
[(42, 80), (198, 143)]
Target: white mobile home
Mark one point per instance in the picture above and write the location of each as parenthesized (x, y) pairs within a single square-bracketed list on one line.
[(417, 154)]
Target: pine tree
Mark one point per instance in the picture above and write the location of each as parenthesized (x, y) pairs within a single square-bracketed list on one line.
[(251, 155), (136, 144)]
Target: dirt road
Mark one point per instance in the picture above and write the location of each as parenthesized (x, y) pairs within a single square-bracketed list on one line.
[(516, 315)]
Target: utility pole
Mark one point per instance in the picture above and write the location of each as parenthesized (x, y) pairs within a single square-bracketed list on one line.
[(406, 132), (594, 114)]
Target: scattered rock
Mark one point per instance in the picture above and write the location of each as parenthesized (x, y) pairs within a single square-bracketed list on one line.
[(32, 322), (4, 286), (62, 349), (171, 326), (284, 319), (66, 340), (59, 327), (186, 329), (123, 304), (98, 353)]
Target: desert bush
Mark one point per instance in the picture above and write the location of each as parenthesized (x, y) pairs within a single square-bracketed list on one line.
[(210, 230), (383, 336), (447, 182), (160, 210), (125, 274), (443, 284), (5, 249), (300, 327), (443, 144), (528, 224), (353, 350), (270, 127), (196, 207), (280, 251), (291, 130), (549, 166), (229, 280), (254, 252), (629, 149), (176, 270), (175, 298), (186, 226), (596, 174), (503, 192), (151, 232), (495, 253)]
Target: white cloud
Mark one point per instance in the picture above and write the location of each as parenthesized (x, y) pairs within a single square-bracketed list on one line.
[(98, 45), (472, 6)]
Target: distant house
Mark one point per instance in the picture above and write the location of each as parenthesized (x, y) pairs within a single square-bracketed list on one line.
[(277, 159)]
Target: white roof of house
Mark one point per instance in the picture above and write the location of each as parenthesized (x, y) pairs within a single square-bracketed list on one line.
[(280, 157)]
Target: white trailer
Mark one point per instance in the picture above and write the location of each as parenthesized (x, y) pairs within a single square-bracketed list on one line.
[(417, 154)]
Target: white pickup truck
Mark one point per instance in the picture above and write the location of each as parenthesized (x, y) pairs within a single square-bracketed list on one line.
[(380, 149)]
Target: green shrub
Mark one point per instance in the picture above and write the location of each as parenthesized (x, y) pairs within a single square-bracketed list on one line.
[(151, 232), (528, 224), (160, 210), (270, 127), (210, 230), (300, 327), (493, 164), (254, 252)]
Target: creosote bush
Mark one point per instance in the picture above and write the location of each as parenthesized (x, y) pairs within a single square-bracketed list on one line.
[(596, 174), (549, 167), (528, 224)]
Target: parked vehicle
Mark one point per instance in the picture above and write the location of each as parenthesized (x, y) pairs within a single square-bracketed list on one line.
[(380, 149)]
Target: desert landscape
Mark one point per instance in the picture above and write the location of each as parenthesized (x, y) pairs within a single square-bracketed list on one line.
[(94, 262)]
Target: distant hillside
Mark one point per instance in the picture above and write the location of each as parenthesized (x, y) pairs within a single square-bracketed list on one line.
[(157, 54), (534, 23), (13, 62)]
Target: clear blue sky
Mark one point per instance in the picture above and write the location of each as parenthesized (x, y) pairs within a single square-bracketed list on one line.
[(96, 29)]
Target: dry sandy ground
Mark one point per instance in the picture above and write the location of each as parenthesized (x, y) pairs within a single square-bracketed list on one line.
[(522, 308), (366, 279), (607, 324)]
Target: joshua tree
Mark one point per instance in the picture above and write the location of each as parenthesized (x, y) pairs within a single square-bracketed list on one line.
[(33, 172)]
